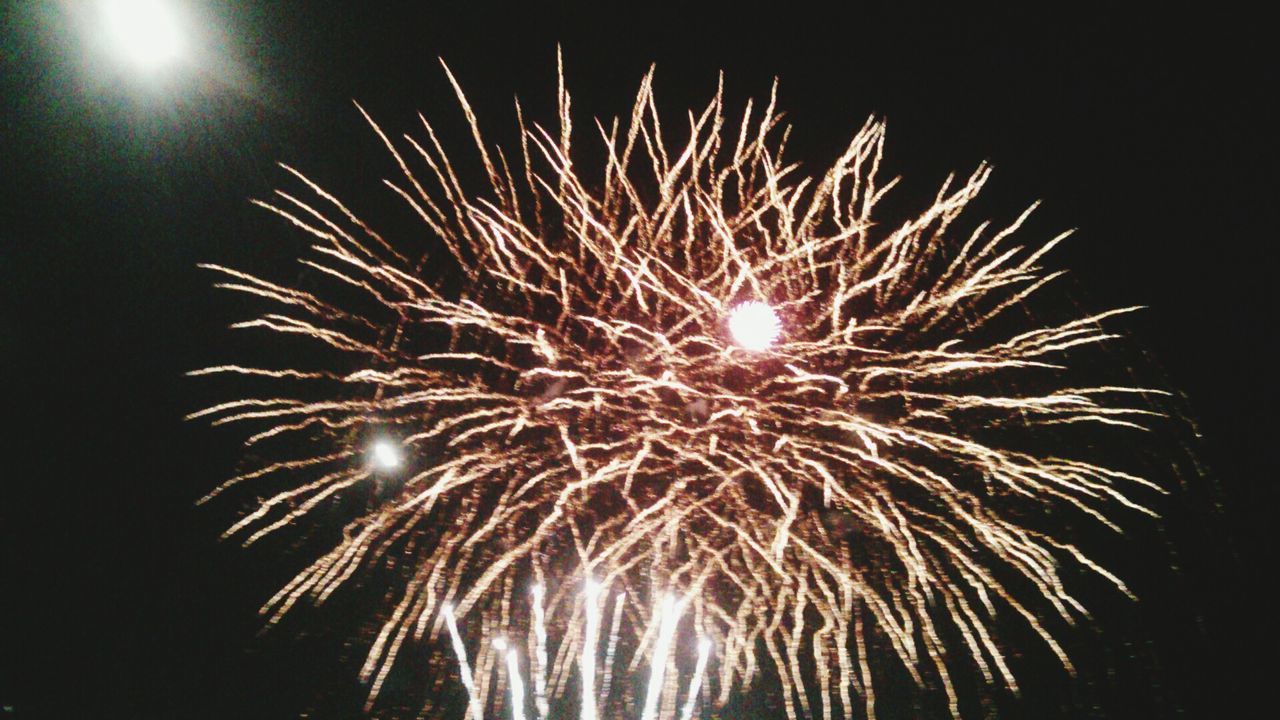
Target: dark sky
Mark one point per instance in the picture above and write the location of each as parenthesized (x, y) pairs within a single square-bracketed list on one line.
[(1147, 131)]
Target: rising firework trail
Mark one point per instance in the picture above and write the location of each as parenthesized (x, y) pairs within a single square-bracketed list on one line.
[(659, 658), (695, 366)]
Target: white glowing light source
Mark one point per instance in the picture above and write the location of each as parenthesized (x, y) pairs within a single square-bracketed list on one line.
[(146, 32), (386, 455), (754, 325)]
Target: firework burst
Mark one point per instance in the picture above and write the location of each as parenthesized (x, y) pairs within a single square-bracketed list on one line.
[(696, 368)]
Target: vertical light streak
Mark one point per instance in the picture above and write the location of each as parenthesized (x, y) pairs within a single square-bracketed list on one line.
[(513, 673), (464, 668), (613, 645), (540, 653), (665, 620), (588, 664), (669, 613), (704, 651)]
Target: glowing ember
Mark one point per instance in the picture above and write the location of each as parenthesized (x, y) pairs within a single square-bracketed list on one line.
[(754, 325)]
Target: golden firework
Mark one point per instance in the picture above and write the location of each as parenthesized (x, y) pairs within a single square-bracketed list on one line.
[(696, 368)]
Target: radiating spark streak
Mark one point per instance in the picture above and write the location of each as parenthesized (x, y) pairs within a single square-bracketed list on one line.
[(669, 616), (517, 684), (464, 669), (704, 651), (613, 645), (857, 456), (587, 664), (540, 652)]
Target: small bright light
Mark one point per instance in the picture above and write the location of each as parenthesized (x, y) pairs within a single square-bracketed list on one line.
[(386, 455), (754, 325), (147, 32)]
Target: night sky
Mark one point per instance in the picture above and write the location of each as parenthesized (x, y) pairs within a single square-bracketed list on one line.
[(1147, 131)]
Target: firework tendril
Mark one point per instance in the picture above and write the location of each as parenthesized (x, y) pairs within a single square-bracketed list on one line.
[(695, 369)]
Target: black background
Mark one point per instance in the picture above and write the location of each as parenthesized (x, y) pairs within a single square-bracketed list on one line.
[(1146, 130)]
